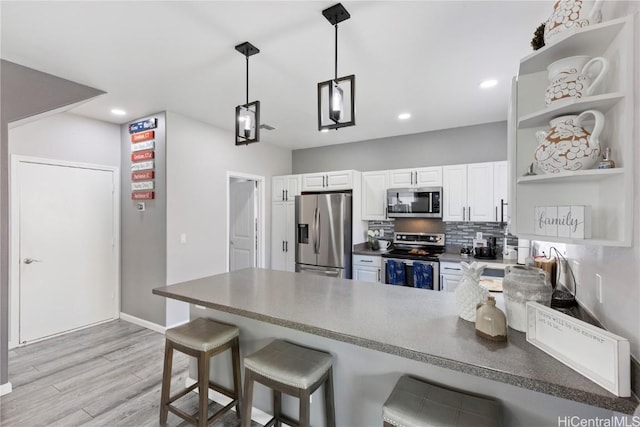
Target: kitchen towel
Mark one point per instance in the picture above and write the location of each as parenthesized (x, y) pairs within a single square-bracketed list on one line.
[(395, 272), (422, 275)]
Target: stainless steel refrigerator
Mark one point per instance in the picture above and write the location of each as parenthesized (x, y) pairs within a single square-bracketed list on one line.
[(323, 234)]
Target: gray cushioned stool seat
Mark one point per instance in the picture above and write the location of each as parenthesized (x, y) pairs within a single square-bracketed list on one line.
[(289, 364), (294, 370), (415, 403), (202, 334)]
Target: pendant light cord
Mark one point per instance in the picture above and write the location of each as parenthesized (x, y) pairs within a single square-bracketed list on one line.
[(336, 54), (247, 103)]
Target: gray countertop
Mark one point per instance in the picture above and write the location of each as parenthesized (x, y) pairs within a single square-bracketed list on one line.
[(363, 249), (413, 323)]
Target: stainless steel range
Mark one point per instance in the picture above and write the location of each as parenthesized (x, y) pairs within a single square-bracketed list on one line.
[(413, 261)]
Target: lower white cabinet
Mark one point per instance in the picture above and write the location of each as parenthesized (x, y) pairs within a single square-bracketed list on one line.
[(283, 236), (450, 276), (367, 268)]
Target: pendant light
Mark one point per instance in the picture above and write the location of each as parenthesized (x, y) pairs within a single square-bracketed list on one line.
[(336, 97), (248, 114)]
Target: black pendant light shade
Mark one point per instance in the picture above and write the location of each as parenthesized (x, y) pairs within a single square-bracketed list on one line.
[(248, 114), (336, 97)]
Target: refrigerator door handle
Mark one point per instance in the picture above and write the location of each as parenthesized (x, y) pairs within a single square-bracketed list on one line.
[(316, 234), (318, 231)]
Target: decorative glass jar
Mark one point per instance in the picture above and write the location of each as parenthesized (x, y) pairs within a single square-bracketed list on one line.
[(521, 284)]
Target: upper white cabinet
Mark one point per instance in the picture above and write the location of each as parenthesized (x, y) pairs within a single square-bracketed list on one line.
[(374, 195), (501, 190), (421, 177), (608, 192), (325, 181), (469, 192), (285, 187)]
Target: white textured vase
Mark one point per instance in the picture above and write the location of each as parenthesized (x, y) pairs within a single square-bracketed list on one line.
[(470, 293)]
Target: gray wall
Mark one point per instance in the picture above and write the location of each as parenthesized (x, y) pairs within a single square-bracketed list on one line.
[(144, 235), (25, 93), (469, 144)]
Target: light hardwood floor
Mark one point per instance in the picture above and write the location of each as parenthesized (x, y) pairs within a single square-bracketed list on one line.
[(106, 375)]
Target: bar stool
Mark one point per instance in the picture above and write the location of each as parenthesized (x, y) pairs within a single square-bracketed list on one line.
[(416, 403), (202, 339), (291, 369)]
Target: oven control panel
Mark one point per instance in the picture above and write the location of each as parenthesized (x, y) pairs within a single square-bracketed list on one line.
[(431, 239)]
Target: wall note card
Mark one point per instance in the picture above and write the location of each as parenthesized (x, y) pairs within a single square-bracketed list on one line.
[(597, 354), (143, 125), (143, 185), (141, 166), (145, 145)]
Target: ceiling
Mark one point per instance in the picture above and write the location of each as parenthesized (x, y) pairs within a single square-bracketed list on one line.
[(423, 57)]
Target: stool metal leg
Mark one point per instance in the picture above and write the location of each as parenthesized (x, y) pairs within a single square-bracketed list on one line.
[(203, 388), (329, 405), (305, 396), (248, 399), (277, 407), (166, 382), (237, 381)]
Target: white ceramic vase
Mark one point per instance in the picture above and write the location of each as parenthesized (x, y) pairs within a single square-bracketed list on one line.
[(570, 15), (470, 293), (574, 77), (568, 146)]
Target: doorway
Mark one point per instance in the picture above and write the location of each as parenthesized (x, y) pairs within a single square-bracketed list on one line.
[(245, 221), (64, 246)]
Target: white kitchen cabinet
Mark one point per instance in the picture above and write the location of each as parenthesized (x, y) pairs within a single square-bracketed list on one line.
[(374, 195), (450, 276), (327, 181), (285, 187), (283, 236), (367, 268), (501, 190), (609, 192), (421, 177), (469, 192)]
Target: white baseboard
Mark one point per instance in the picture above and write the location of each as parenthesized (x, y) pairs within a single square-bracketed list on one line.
[(5, 388), (143, 323), (257, 415)]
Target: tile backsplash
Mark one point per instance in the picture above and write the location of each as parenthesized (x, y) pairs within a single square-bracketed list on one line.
[(463, 233), (457, 233)]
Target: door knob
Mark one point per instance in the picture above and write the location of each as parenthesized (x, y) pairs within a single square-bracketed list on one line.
[(30, 260)]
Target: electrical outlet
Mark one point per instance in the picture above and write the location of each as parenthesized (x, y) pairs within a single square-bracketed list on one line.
[(575, 266), (599, 288), (183, 238)]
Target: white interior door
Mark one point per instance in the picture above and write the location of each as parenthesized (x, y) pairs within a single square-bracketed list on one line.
[(243, 220), (68, 259)]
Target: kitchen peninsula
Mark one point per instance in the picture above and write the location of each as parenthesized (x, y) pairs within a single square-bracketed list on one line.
[(378, 333)]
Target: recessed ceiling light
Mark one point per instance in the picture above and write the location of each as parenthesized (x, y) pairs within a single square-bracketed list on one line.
[(488, 83), (118, 112), (404, 116), (324, 130)]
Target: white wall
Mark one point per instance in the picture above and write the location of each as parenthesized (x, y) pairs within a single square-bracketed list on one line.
[(198, 158), (69, 137)]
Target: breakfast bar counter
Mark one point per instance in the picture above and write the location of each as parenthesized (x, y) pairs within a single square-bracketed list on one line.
[(420, 329)]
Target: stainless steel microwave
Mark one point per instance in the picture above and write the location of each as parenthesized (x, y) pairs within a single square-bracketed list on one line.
[(414, 202)]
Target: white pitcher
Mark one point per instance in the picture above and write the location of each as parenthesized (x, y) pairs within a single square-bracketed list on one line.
[(574, 77), (571, 15), (568, 146)]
